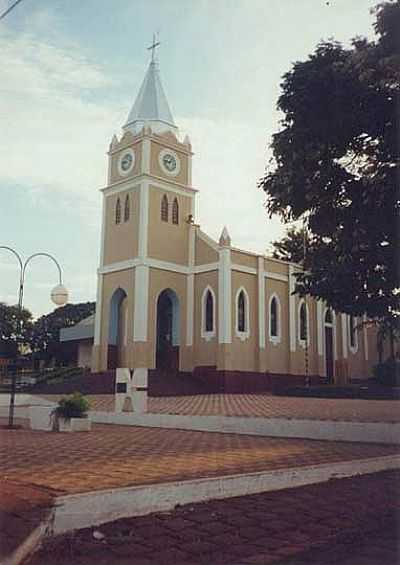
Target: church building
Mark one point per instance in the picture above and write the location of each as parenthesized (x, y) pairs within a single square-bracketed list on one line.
[(170, 298)]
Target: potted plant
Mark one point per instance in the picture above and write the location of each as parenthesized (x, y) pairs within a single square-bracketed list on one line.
[(70, 415)]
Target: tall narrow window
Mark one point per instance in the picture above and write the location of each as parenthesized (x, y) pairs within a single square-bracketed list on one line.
[(328, 317), (352, 332), (175, 212), (303, 322), (164, 208), (209, 312), (127, 209), (274, 318), (241, 312), (118, 212)]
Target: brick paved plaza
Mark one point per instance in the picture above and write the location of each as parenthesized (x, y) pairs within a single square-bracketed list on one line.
[(348, 521), (118, 456), (266, 406)]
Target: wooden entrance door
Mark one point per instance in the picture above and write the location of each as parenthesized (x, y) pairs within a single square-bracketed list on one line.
[(167, 354)]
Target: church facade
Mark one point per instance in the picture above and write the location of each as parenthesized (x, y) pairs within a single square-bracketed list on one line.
[(171, 298)]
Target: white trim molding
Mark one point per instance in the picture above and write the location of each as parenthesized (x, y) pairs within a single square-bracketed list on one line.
[(261, 303), (275, 339), (352, 348), (143, 219), (224, 296), (303, 342), (344, 336), (365, 334), (242, 335), (141, 309), (320, 325), (208, 334), (292, 310), (99, 302), (146, 154), (190, 310)]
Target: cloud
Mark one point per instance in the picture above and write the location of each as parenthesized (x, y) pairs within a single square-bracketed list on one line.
[(52, 126)]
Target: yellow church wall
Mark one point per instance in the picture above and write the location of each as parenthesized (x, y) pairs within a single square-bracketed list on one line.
[(134, 143), (242, 258), (205, 352), (274, 266), (121, 242), (160, 280), (167, 241), (277, 353), (243, 354), (155, 168), (358, 367), (204, 253)]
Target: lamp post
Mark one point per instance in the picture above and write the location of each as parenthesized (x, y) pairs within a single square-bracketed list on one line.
[(59, 295)]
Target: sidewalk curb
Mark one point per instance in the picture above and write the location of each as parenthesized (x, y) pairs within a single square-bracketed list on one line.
[(30, 543), (330, 430), (83, 510)]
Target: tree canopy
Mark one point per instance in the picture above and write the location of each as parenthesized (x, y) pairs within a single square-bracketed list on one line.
[(14, 328), (335, 162), (45, 334), (291, 246)]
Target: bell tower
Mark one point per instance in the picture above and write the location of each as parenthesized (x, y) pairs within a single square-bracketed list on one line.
[(148, 206)]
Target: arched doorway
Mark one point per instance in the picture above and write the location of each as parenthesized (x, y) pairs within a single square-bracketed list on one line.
[(329, 356), (168, 330), (118, 330)]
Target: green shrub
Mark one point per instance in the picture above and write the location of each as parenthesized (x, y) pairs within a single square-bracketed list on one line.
[(73, 406), (388, 372)]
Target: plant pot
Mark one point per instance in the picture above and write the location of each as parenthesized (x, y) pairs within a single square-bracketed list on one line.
[(74, 424)]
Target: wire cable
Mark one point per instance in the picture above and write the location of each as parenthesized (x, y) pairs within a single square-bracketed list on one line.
[(3, 15)]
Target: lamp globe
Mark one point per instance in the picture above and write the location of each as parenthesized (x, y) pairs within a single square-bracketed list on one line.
[(59, 295)]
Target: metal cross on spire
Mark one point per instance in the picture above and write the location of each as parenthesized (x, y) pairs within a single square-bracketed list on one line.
[(152, 47)]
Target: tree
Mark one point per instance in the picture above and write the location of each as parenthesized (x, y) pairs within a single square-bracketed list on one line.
[(291, 246), (14, 329), (45, 334), (335, 164)]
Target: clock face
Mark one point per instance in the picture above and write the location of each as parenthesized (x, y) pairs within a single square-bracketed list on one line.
[(169, 162), (126, 162)]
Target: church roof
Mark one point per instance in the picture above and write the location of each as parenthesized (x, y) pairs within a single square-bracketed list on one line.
[(151, 106)]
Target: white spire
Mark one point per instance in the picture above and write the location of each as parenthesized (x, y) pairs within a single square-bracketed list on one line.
[(225, 238), (151, 107)]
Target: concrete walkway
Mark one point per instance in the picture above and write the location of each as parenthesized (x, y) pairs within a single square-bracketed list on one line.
[(264, 406), (120, 456), (328, 523)]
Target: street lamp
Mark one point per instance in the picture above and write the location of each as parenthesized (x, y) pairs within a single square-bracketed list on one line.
[(59, 295)]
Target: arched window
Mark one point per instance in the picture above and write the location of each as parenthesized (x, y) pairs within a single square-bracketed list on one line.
[(209, 312), (118, 211), (353, 342), (242, 314), (126, 208), (274, 321), (303, 322), (328, 317), (175, 212), (164, 208)]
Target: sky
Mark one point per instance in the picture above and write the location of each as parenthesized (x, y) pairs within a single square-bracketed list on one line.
[(70, 72)]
